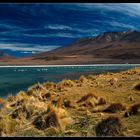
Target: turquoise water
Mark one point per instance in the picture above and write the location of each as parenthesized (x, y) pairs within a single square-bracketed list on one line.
[(14, 79)]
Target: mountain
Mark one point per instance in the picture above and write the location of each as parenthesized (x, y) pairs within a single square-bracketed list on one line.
[(4, 55), (109, 45), (107, 48)]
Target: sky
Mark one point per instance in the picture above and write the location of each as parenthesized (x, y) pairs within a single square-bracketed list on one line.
[(26, 29)]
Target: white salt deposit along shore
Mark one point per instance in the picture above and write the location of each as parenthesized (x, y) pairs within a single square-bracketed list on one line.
[(8, 66)]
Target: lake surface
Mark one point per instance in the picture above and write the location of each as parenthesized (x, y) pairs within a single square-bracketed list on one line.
[(16, 78)]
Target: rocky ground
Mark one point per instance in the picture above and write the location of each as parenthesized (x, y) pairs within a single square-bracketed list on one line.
[(95, 105)]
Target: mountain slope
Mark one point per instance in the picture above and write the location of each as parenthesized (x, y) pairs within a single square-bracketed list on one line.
[(110, 45), (107, 48), (4, 55)]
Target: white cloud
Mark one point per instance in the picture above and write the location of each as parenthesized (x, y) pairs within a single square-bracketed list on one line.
[(26, 52), (69, 28), (66, 35), (58, 27), (118, 24), (27, 47), (131, 9)]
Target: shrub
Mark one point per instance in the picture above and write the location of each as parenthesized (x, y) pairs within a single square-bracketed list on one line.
[(110, 126)]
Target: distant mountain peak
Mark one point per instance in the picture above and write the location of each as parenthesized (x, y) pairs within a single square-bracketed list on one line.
[(130, 31), (114, 36), (4, 55), (114, 45)]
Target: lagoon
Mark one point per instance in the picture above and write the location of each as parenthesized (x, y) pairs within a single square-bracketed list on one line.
[(16, 78)]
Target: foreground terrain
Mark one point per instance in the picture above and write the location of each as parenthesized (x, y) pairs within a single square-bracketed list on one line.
[(96, 105)]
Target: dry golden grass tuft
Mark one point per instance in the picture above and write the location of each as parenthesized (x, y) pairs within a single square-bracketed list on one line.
[(60, 86), (2, 101), (69, 103), (10, 98), (83, 79), (115, 107), (137, 87), (132, 110), (67, 83), (112, 81), (110, 108), (49, 85), (7, 125), (55, 116), (86, 97), (21, 96)]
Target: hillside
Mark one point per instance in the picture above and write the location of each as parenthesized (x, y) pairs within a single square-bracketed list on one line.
[(109, 45)]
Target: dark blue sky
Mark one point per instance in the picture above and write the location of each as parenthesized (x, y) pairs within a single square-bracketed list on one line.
[(31, 28)]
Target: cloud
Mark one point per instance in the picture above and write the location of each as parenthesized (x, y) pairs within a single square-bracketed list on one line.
[(26, 47), (29, 52), (131, 9), (58, 27), (122, 25)]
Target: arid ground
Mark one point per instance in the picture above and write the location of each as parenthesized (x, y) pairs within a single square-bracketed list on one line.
[(66, 60), (95, 105)]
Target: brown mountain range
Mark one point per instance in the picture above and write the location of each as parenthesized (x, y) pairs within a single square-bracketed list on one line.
[(4, 55), (109, 47)]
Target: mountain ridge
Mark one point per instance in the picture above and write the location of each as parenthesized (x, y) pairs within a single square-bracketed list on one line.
[(107, 48), (101, 45)]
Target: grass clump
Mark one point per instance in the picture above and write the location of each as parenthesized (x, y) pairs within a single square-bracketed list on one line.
[(55, 116), (132, 110), (110, 126), (10, 98), (83, 79), (110, 108), (115, 107), (67, 83), (86, 97), (137, 87), (49, 85)]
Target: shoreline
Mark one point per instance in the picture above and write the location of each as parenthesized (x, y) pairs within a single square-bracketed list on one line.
[(6, 66)]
